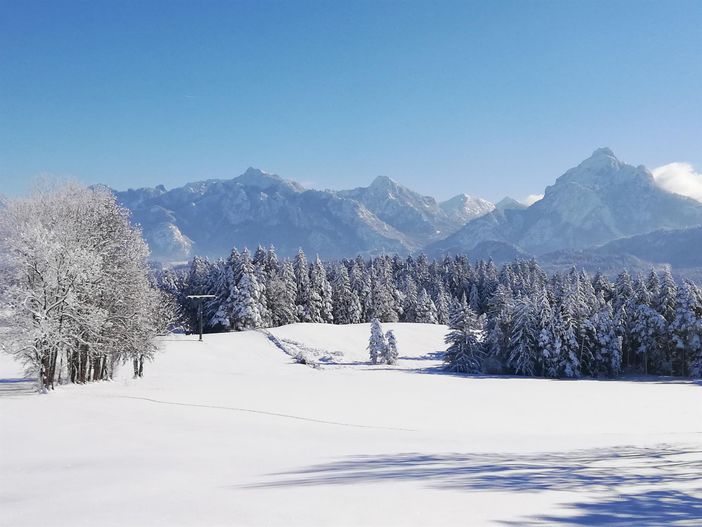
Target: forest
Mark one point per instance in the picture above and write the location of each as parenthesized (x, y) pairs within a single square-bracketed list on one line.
[(515, 320)]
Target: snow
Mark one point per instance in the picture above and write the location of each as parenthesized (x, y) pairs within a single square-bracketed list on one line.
[(232, 432)]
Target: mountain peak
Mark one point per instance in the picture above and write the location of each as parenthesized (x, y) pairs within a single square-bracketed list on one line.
[(603, 152), (509, 203), (255, 177), (383, 182)]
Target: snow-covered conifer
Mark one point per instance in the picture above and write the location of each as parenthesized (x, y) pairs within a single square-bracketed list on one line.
[(377, 342), (390, 354), (465, 351), (426, 310)]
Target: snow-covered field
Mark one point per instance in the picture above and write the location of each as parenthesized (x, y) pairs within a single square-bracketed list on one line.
[(233, 432)]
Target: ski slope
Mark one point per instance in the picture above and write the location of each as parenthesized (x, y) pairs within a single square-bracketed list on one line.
[(233, 432)]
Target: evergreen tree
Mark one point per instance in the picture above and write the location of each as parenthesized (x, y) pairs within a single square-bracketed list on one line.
[(302, 285), (377, 342), (465, 352), (426, 310), (282, 294), (524, 340), (442, 304), (390, 355), (247, 306), (320, 294), (409, 309), (687, 331)]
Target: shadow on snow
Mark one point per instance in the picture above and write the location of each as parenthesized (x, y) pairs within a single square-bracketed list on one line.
[(631, 485)]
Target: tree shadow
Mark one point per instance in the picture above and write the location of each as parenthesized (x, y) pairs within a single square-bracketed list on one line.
[(10, 387), (609, 474), (655, 507)]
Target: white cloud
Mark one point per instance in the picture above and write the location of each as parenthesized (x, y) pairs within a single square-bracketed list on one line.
[(531, 199), (680, 178)]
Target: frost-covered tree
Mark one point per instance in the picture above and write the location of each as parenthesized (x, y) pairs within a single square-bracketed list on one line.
[(608, 354), (302, 285), (346, 306), (77, 297), (320, 304), (524, 340), (390, 354), (426, 310), (247, 307), (282, 293), (442, 304), (382, 296), (465, 351), (409, 308), (377, 342), (687, 330)]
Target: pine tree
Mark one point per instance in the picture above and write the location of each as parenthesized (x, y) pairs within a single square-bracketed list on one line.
[(382, 299), (320, 305), (346, 306), (474, 298), (524, 340), (426, 310), (377, 342), (465, 352), (282, 293), (247, 306), (390, 355), (687, 330), (608, 356), (442, 304), (409, 310), (302, 285)]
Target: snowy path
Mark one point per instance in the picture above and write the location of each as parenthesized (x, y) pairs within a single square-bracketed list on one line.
[(233, 432)]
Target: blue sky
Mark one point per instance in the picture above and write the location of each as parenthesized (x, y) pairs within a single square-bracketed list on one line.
[(489, 98)]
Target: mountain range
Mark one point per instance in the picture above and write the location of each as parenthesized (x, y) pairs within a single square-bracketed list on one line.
[(210, 217), (601, 213)]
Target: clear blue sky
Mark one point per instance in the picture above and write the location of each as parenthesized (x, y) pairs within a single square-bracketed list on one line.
[(488, 98)]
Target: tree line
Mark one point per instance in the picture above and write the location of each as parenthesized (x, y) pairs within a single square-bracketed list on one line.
[(517, 319)]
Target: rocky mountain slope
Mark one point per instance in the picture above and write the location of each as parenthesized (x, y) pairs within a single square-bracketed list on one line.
[(600, 200), (210, 217)]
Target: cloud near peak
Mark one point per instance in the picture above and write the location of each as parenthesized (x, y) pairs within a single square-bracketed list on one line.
[(680, 178)]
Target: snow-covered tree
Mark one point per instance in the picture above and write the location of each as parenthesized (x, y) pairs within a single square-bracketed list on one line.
[(346, 306), (247, 307), (282, 293), (77, 297), (320, 301), (302, 285), (377, 342), (390, 354), (426, 310), (465, 351), (524, 340)]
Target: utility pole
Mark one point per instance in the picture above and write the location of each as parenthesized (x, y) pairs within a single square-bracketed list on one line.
[(200, 299)]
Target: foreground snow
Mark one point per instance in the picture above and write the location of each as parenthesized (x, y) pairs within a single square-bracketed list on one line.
[(233, 432)]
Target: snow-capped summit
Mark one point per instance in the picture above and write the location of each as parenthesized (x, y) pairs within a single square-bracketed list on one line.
[(421, 218), (463, 208), (509, 203), (254, 177)]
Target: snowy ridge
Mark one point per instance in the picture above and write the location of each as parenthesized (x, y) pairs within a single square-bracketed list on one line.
[(209, 217)]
